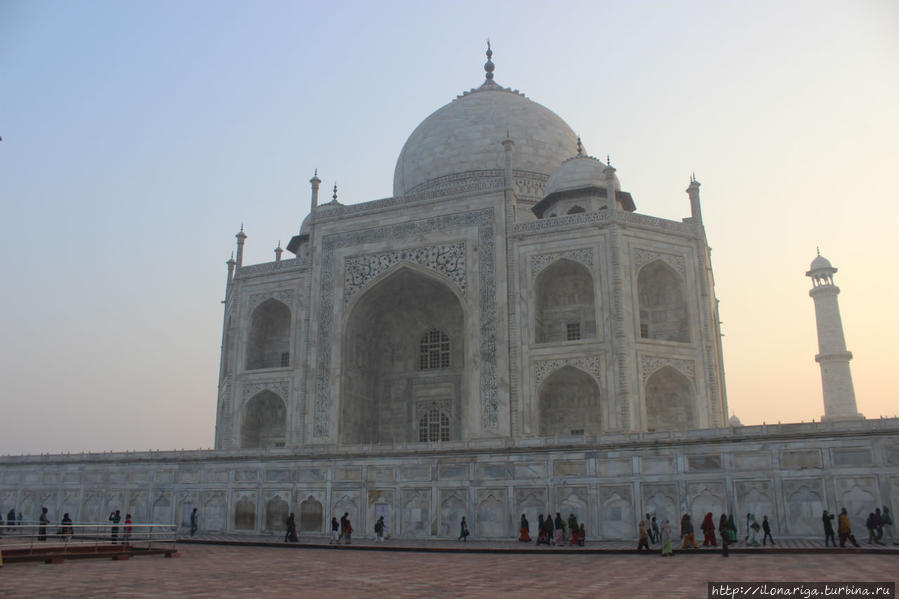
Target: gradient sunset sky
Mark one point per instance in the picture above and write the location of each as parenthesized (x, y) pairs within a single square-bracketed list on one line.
[(138, 136)]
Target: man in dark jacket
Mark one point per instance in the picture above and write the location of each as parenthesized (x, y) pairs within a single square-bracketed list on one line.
[(767, 530)]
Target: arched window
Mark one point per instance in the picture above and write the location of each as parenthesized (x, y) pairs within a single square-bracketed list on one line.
[(434, 350), (569, 403), (575, 210), (434, 426), (663, 306)]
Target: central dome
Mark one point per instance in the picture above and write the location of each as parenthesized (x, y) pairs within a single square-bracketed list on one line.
[(466, 136)]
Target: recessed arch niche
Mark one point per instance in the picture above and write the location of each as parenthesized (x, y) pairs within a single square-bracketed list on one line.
[(569, 403), (386, 385), (565, 309), (268, 342), (669, 401), (264, 422), (663, 305)]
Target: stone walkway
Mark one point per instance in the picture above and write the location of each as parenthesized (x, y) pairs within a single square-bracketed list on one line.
[(262, 572)]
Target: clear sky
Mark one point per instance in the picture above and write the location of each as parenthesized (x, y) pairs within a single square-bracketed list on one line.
[(138, 136)]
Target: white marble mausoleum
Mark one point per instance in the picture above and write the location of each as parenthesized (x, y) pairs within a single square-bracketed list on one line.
[(507, 334)]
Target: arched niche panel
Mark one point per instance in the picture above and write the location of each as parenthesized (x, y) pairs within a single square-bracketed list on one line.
[(663, 305), (669, 401), (268, 343), (569, 403), (565, 309), (264, 422), (403, 353)]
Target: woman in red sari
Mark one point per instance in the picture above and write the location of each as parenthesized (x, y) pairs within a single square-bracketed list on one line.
[(525, 530), (708, 529)]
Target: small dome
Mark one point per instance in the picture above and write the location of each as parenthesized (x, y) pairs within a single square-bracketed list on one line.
[(821, 263), (576, 173), (466, 136)]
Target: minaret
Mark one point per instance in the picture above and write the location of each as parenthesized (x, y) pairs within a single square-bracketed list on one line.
[(315, 181), (241, 237), (836, 379), (278, 252), (230, 264), (612, 184), (693, 192)]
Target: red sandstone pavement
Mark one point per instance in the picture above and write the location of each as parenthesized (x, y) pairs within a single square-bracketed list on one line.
[(262, 572)]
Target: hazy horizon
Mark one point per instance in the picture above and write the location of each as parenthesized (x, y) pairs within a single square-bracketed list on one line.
[(137, 138)]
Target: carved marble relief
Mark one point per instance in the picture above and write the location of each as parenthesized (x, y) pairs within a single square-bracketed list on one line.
[(453, 506), (285, 296), (616, 508), (703, 498), (589, 364), (805, 504), (447, 260), (652, 363), (541, 261), (642, 257), (416, 512), (492, 516), (280, 387)]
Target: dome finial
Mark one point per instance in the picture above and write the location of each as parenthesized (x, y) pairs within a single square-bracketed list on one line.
[(818, 248), (580, 146), (608, 160), (489, 66), (334, 196)]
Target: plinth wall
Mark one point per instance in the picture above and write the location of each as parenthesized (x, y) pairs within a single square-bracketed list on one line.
[(791, 473)]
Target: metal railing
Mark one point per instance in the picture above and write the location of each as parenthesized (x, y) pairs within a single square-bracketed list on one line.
[(34, 538)]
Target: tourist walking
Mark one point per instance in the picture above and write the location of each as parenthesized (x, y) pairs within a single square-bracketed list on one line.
[(559, 539), (335, 530), (827, 519), (127, 536), (722, 528), (665, 538), (878, 526), (845, 528), (649, 528), (732, 528), (766, 528), (348, 537), (525, 536), (888, 525), (654, 531), (343, 526), (290, 535), (115, 517), (708, 531), (194, 522), (869, 524), (66, 529), (642, 537), (541, 531), (42, 529), (379, 530), (753, 530), (572, 526), (10, 519), (550, 528), (463, 530), (687, 532), (581, 535)]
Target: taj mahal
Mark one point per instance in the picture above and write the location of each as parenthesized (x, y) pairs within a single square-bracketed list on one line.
[(506, 335)]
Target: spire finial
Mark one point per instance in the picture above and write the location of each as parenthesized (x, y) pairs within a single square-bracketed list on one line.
[(608, 160), (580, 146), (818, 247), (316, 172), (489, 66), (334, 196)]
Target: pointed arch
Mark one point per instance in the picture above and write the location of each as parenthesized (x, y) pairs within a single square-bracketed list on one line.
[(662, 303), (569, 403), (565, 309), (575, 209), (264, 422), (268, 342), (403, 347), (669, 401)]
